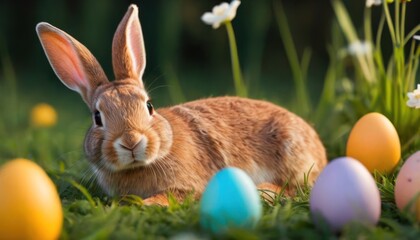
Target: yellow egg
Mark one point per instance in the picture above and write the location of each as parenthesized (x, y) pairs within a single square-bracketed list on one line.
[(43, 115), (375, 143), (30, 207)]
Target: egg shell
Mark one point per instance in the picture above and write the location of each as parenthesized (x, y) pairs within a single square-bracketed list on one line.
[(345, 192), (230, 200), (407, 184), (43, 115), (375, 143), (30, 207)]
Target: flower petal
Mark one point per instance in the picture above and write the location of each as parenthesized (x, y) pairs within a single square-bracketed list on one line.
[(216, 25), (221, 13), (359, 48), (208, 18), (417, 37), (232, 10), (413, 103), (414, 98), (370, 3), (220, 9)]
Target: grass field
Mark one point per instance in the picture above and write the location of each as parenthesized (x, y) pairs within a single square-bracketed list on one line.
[(90, 214)]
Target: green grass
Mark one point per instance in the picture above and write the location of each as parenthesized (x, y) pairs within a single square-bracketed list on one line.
[(90, 214)]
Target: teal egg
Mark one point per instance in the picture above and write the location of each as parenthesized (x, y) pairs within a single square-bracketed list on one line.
[(230, 200)]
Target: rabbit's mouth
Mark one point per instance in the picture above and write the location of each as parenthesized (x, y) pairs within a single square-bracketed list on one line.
[(129, 163), (131, 154)]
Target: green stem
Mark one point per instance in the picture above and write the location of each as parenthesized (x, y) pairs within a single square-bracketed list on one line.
[(369, 40), (397, 21), (351, 35), (236, 68), (390, 24), (403, 11), (378, 53), (410, 75), (411, 34), (368, 25)]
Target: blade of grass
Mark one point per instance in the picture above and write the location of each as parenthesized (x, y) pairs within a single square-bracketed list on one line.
[(390, 23), (85, 193), (397, 21), (351, 34), (292, 56), (411, 33), (304, 66)]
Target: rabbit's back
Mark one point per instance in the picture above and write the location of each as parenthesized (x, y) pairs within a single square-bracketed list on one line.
[(267, 141)]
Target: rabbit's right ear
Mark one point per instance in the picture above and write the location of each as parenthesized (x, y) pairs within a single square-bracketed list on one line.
[(128, 54), (72, 62)]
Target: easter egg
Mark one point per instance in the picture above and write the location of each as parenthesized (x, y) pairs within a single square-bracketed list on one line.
[(230, 200), (30, 207), (407, 185), (345, 192), (375, 143), (43, 115)]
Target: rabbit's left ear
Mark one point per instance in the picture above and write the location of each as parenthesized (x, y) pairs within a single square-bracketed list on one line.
[(128, 55), (72, 62)]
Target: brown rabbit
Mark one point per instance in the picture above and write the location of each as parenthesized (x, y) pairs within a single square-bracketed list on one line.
[(135, 149)]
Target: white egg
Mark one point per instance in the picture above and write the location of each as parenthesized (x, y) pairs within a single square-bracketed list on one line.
[(345, 192), (407, 184), (230, 200)]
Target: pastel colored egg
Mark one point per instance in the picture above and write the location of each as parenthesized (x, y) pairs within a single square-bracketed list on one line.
[(43, 115), (375, 143), (407, 185), (30, 207), (345, 192), (230, 200)]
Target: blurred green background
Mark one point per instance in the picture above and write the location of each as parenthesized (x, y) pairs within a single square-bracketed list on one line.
[(179, 45)]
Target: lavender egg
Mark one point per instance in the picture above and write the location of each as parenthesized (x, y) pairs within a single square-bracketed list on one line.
[(345, 192)]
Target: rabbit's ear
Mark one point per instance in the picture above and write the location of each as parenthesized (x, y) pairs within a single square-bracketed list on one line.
[(72, 62), (128, 55)]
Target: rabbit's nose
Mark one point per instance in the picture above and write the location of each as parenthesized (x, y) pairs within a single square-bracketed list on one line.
[(131, 140), (130, 147)]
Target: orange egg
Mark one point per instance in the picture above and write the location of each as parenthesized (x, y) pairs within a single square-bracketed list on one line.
[(30, 207), (375, 143)]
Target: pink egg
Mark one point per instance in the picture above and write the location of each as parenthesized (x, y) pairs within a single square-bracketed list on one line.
[(345, 192), (407, 185)]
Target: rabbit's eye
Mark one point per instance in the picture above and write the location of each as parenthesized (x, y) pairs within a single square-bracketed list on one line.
[(98, 119), (150, 107)]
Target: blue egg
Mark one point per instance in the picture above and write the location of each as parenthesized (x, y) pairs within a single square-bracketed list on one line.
[(230, 200)]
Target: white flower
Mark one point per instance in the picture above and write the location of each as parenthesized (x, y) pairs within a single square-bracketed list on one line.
[(370, 3), (417, 37), (414, 98), (359, 48), (221, 13)]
